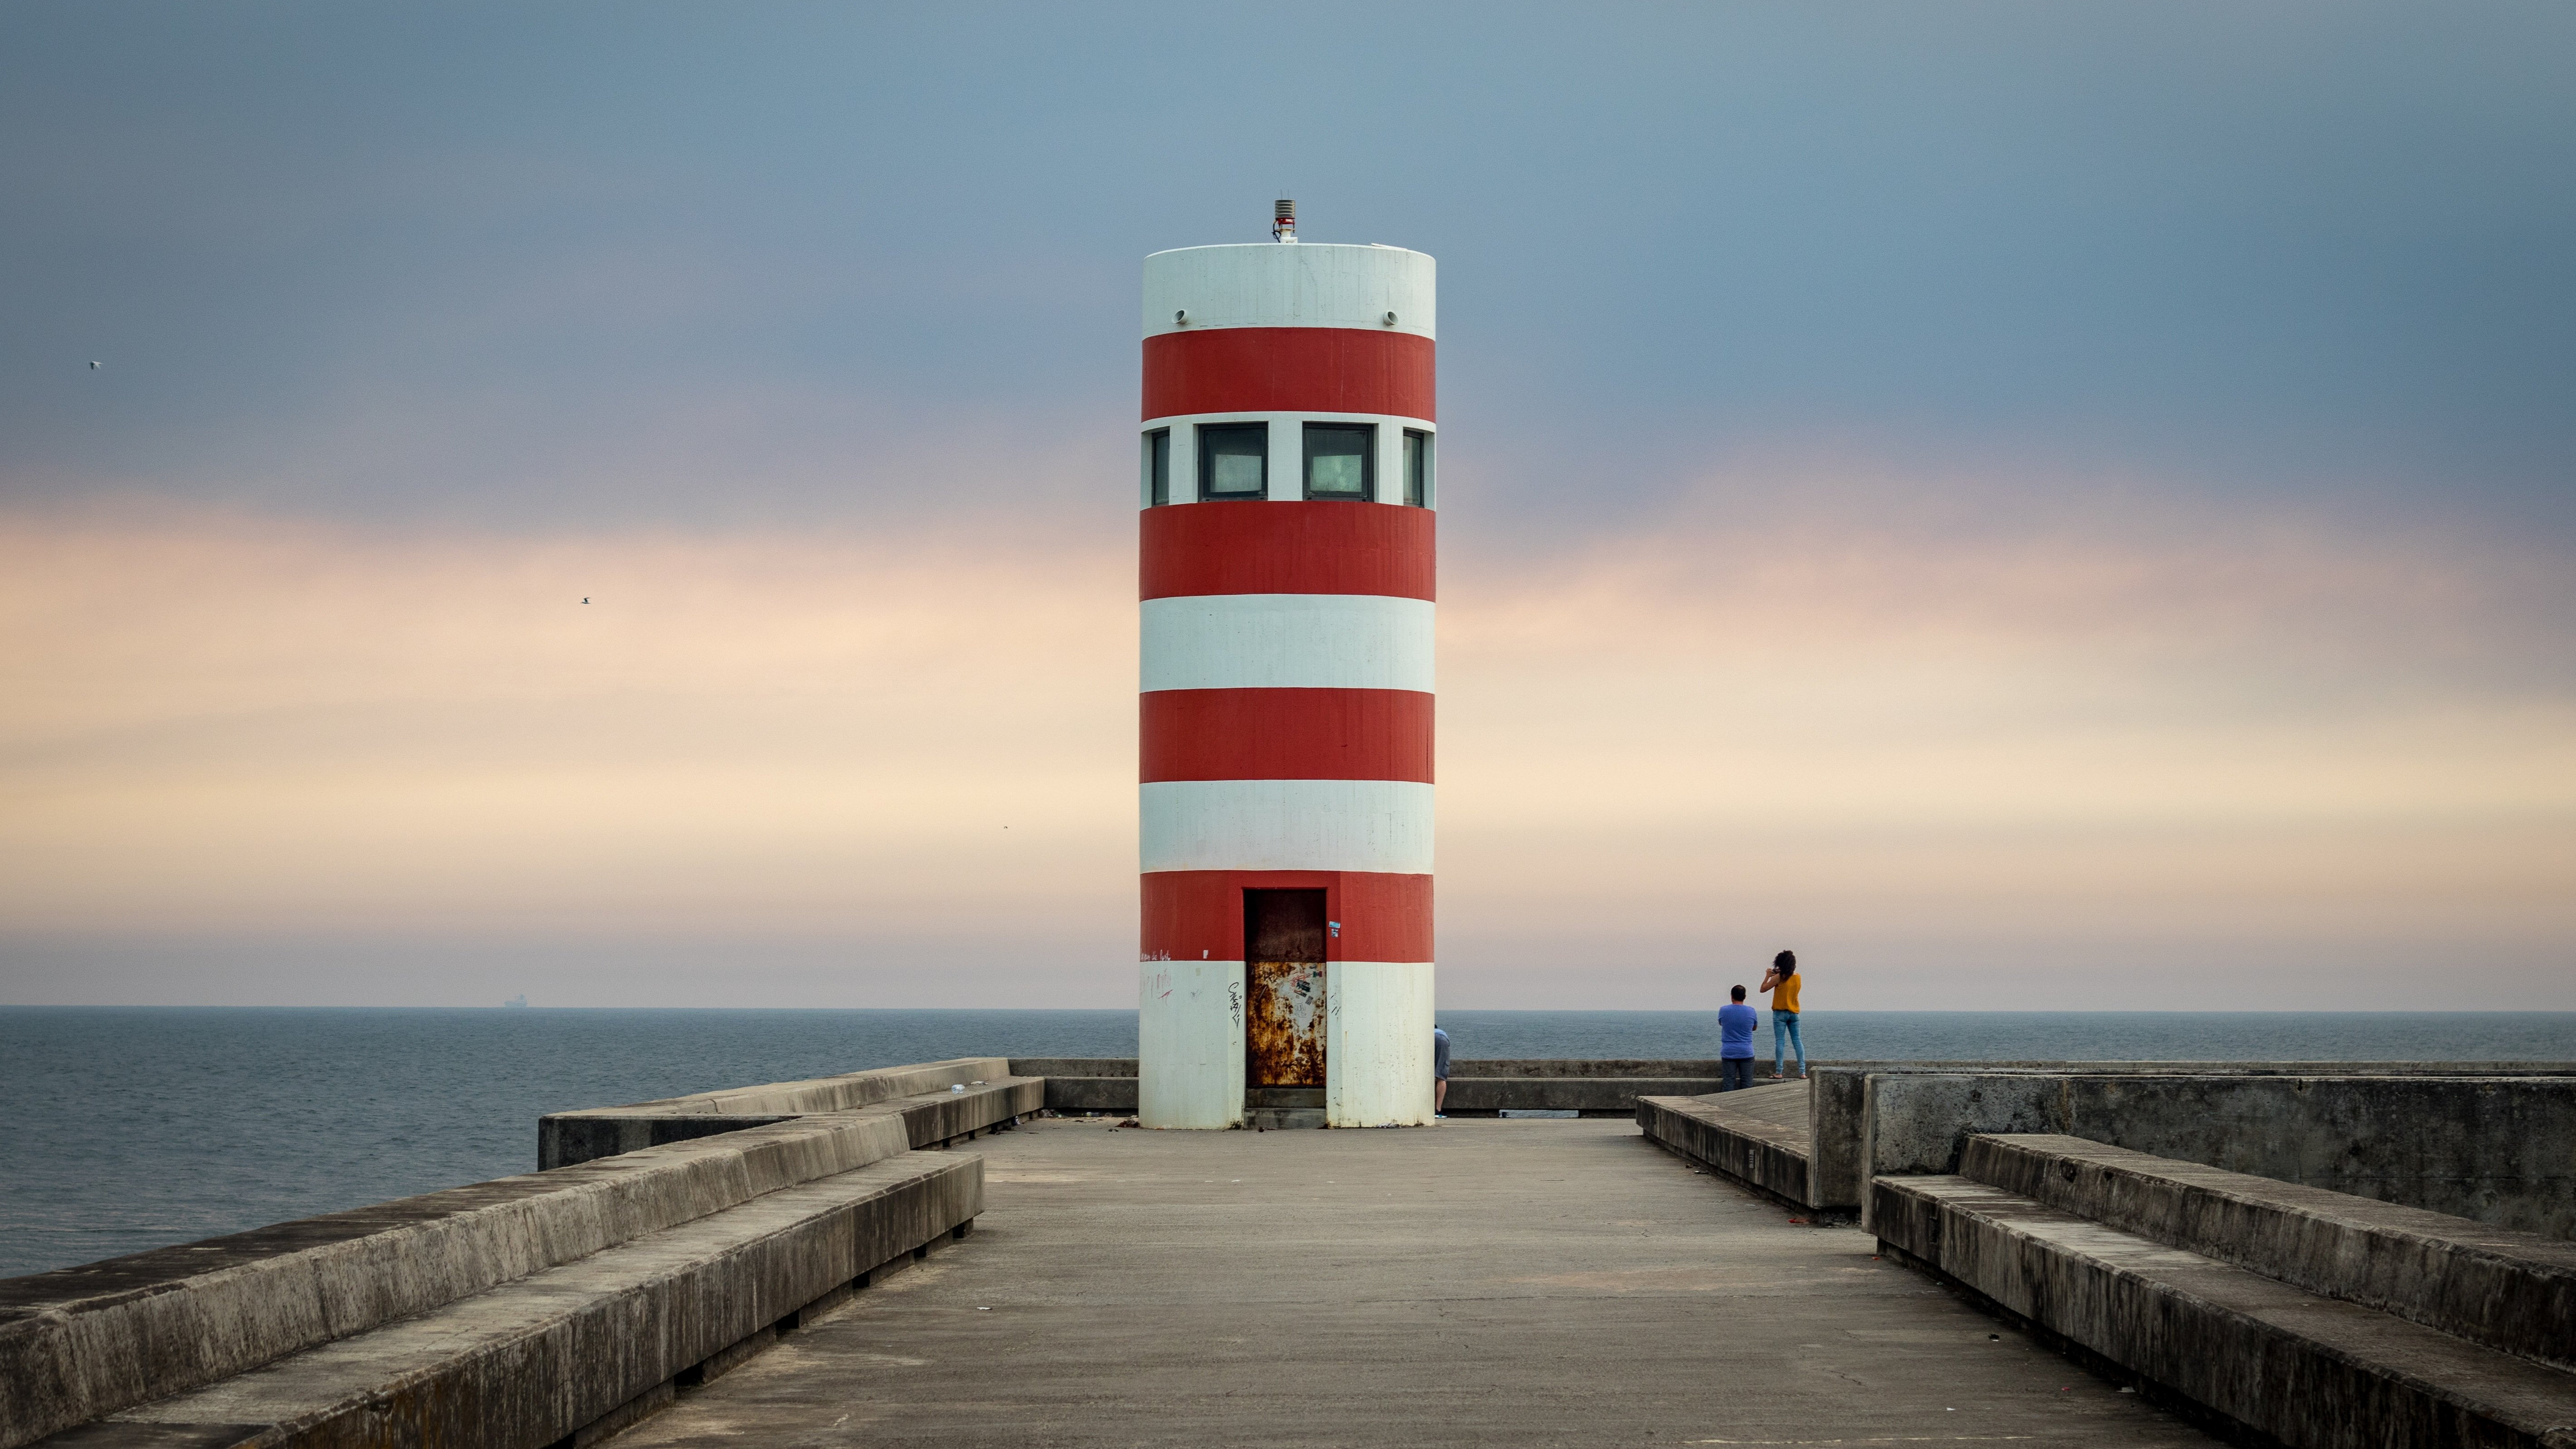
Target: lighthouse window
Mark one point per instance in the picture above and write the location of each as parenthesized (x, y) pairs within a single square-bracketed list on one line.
[(1417, 468), (1339, 460), (1158, 466), (1234, 460)]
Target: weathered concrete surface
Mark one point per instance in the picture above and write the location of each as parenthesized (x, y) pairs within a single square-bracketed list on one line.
[(2311, 1371), (1073, 1067), (936, 1116), (529, 1362), (1756, 1136), (1116, 1095), (82, 1342), (1592, 1096), (1084, 1084), (1839, 1161), (1494, 1283), (1665, 1068), (564, 1138), (1606, 1087), (2499, 1150), (1598, 1087), (1594, 1086), (2508, 1290)]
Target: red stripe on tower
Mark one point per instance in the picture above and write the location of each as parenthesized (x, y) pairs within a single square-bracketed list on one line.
[(1289, 370), (1192, 915), (1286, 734), (1289, 548)]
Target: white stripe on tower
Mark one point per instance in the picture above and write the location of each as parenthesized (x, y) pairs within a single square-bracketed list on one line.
[(1287, 641), (1373, 825)]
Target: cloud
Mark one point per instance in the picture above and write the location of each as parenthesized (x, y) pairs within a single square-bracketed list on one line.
[(1933, 721), (2005, 485), (2275, 743), (254, 724)]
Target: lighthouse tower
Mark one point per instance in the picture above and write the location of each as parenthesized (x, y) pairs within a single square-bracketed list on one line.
[(1285, 810)]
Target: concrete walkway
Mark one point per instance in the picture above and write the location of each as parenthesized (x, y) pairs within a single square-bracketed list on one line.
[(1782, 1104), (1481, 1282)]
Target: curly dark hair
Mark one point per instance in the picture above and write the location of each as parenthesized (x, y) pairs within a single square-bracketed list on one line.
[(1785, 963)]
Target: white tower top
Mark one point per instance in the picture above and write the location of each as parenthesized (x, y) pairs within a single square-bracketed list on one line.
[(1319, 284)]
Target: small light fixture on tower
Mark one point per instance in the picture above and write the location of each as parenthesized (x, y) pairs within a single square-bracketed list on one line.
[(1283, 221)]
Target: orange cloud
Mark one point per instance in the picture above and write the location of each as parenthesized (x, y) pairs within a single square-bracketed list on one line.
[(1712, 732), (260, 725)]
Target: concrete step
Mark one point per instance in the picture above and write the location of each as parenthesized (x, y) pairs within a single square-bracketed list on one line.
[(2306, 1369), (82, 1343), (2464, 1139), (532, 1362), (2509, 1290), (963, 1112), (1274, 1119), (1757, 1136), (978, 1092)]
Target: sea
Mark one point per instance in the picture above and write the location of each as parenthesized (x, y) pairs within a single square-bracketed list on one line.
[(125, 1128)]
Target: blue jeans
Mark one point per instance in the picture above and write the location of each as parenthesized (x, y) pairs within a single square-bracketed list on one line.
[(1737, 1072), (1784, 1035)]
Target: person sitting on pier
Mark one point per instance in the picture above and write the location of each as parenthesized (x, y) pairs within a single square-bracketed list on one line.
[(1782, 982), (1735, 1023)]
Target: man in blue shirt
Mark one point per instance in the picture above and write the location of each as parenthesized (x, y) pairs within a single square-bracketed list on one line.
[(1735, 1023)]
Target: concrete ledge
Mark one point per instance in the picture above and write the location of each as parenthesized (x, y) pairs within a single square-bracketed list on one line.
[(1591, 1096), (1592, 1086), (564, 1138), (1092, 1094), (80, 1343), (2508, 1290), (2495, 1149), (930, 1119), (2303, 1369), (1843, 1125), (1074, 1067), (532, 1362), (1768, 1156), (1607, 1087), (937, 1119), (1083, 1084), (86, 1342), (1667, 1068), (837, 1094)]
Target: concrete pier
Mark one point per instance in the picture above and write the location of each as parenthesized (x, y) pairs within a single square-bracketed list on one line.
[(1487, 1282), (2320, 1255)]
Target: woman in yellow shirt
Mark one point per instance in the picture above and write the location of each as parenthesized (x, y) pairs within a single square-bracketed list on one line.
[(1782, 982)]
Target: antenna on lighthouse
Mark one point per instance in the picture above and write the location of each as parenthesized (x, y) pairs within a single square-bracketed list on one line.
[(1283, 221)]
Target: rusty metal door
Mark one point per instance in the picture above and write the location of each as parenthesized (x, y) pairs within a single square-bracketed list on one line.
[(1283, 1025)]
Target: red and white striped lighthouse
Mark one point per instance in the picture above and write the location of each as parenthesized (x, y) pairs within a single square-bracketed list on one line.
[(1285, 810)]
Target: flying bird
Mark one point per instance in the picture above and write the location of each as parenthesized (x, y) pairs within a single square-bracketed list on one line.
[(93, 367), (585, 601)]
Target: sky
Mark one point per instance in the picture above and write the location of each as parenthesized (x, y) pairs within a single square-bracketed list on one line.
[(2033, 505)]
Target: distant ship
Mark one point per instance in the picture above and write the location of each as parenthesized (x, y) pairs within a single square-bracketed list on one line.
[(520, 1001)]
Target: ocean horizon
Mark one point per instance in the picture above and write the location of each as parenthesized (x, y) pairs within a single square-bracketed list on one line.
[(138, 1127)]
